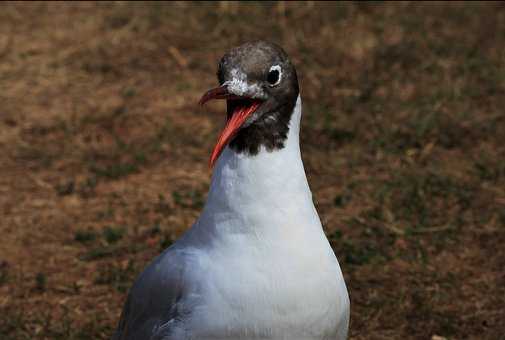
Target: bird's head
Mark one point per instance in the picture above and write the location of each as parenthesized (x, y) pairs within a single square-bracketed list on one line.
[(260, 86)]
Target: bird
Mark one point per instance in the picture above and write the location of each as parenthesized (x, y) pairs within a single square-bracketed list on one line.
[(256, 264)]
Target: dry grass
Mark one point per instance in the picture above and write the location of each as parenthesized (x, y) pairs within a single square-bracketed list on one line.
[(103, 154)]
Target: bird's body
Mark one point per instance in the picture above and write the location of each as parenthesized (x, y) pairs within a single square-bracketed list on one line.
[(255, 265)]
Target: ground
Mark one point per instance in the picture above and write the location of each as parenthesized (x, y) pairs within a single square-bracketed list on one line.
[(104, 151)]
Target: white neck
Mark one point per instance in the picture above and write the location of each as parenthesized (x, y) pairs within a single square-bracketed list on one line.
[(269, 269), (267, 190)]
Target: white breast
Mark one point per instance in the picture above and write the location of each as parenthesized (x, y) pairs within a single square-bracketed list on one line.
[(264, 268)]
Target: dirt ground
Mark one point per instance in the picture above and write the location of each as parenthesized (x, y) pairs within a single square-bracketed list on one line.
[(103, 154)]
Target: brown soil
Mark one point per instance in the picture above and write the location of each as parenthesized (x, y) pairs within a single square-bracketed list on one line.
[(103, 154)]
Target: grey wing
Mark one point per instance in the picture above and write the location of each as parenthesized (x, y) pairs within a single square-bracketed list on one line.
[(153, 303)]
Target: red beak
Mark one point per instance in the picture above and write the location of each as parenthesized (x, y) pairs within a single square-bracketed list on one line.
[(234, 121)]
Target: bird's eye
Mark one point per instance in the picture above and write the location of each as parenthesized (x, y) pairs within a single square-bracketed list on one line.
[(274, 75)]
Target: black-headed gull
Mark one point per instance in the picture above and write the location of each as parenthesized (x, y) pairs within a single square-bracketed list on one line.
[(256, 264)]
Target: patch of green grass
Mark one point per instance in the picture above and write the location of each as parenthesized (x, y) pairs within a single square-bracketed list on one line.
[(341, 135), (128, 157), (420, 199), (162, 206), (405, 54), (107, 213), (85, 236), (16, 324), (361, 254), (154, 230), (343, 198), (12, 322), (4, 272), (124, 159), (501, 218), (374, 246), (424, 309), (38, 155), (113, 234), (40, 282), (183, 86), (166, 241), (86, 188), (335, 236), (490, 168), (114, 171), (98, 253), (129, 92), (425, 124), (65, 188), (116, 276), (188, 199)]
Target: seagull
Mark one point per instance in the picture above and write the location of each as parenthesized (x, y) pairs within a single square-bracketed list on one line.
[(256, 264)]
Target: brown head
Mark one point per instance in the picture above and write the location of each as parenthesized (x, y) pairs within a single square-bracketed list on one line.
[(260, 86)]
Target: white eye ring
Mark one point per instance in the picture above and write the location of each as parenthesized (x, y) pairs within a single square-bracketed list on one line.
[(278, 70)]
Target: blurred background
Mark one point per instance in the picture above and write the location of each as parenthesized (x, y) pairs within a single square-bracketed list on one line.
[(103, 153)]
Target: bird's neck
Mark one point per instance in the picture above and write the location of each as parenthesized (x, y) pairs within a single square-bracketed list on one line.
[(247, 192)]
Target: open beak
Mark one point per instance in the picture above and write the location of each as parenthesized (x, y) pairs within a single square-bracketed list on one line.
[(243, 108)]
